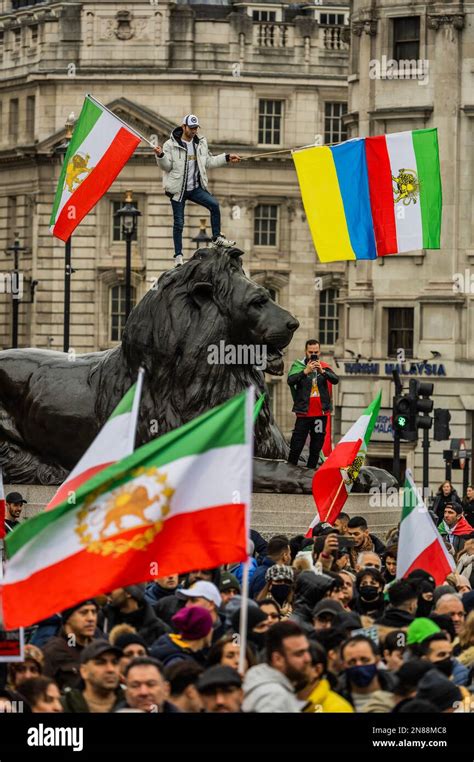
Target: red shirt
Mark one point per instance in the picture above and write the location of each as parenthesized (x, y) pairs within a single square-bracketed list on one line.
[(314, 407)]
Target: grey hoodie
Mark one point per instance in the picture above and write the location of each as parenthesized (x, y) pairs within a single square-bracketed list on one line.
[(268, 690)]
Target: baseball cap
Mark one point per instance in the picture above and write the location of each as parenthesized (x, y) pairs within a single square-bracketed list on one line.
[(218, 676), (15, 497), (190, 120), (97, 648), (327, 606), (202, 589)]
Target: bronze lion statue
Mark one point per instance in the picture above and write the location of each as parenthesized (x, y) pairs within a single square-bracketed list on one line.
[(52, 406)]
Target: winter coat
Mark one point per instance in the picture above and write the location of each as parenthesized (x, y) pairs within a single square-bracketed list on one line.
[(73, 701), (373, 545), (258, 580), (172, 649), (323, 699), (387, 681), (167, 607), (300, 385), (154, 593), (144, 619), (62, 660), (466, 567), (397, 618), (468, 510), (174, 162), (268, 690), (441, 501)]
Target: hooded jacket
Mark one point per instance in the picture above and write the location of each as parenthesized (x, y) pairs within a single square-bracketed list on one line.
[(268, 690), (310, 588), (172, 649), (393, 617), (144, 619), (300, 386), (174, 162)]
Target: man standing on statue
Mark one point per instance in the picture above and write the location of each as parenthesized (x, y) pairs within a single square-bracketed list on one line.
[(185, 159), (310, 381)]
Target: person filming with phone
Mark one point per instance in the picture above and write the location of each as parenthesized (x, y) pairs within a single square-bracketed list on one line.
[(310, 381)]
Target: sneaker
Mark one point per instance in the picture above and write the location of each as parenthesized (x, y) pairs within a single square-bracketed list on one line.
[(178, 260), (221, 240)]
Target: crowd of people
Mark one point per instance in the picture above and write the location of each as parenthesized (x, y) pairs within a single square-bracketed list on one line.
[(330, 628)]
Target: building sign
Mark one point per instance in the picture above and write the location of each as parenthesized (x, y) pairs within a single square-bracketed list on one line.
[(405, 369), (383, 430)]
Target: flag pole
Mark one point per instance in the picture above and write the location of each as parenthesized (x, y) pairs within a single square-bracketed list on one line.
[(132, 129), (243, 617)]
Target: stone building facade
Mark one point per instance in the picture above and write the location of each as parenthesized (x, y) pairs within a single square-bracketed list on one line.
[(262, 76), (419, 302)]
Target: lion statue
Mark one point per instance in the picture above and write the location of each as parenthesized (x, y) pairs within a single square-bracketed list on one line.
[(52, 405)]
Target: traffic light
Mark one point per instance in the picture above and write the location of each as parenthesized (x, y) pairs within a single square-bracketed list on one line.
[(402, 418), (441, 430), (420, 392)]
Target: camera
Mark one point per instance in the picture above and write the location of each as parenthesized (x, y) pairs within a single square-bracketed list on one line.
[(314, 357)]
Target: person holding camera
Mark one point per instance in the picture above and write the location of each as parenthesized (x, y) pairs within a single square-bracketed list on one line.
[(310, 381)]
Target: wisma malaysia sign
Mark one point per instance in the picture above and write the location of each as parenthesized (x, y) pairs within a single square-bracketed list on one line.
[(405, 368)]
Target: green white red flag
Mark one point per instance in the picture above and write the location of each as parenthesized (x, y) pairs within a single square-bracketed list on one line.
[(420, 545), (178, 503), (100, 146), (115, 441), (333, 481)]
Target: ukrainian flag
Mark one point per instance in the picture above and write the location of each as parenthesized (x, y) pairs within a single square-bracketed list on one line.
[(335, 192)]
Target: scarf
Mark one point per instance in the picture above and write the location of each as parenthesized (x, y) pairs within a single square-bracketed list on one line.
[(465, 565)]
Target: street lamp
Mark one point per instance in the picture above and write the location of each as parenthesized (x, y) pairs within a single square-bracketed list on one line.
[(202, 237), (128, 214), (15, 249), (61, 151)]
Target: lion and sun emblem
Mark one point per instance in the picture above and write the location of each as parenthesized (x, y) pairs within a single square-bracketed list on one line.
[(76, 167), (406, 187), (139, 505)]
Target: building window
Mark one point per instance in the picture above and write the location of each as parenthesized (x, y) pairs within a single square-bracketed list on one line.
[(400, 330), (117, 234), (332, 19), (334, 129), (273, 294), (264, 15), (11, 218), (265, 225), (13, 120), (24, 3), (328, 316), (117, 311), (30, 116), (34, 35), (406, 38), (269, 122)]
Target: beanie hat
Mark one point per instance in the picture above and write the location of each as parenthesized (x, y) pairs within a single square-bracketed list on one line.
[(228, 582), (280, 573), (137, 592), (421, 574), (420, 629), (410, 674), (255, 616), (192, 622), (128, 638), (70, 611), (34, 654), (437, 688)]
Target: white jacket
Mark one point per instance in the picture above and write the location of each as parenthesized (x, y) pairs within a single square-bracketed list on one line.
[(174, 161), (268, 690)]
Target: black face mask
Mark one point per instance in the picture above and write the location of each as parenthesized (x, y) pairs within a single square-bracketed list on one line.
[(424, 607), (257, 639), (445, 666), (280, 593), (369, 593)]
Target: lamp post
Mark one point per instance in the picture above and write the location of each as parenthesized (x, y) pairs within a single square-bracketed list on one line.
[(128, 214), (15, 249), (61, 151), (202, 237)]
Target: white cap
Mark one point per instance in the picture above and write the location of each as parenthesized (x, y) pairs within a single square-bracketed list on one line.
[(202, 589), (190, 120)]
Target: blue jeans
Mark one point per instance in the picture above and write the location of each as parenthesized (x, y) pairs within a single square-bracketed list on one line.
[(203, 198)]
